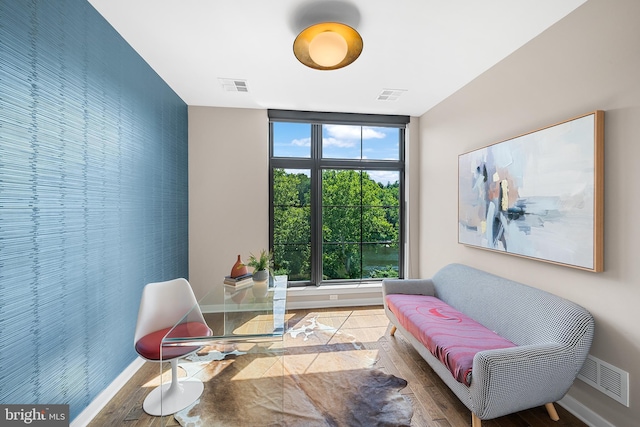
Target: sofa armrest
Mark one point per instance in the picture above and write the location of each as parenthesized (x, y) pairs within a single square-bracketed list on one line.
[(407, 286), (513, 379)]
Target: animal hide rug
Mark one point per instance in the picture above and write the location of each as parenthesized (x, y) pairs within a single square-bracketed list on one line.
[(322, 378)]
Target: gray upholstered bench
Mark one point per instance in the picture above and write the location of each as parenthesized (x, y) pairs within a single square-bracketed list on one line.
[(550, 338)]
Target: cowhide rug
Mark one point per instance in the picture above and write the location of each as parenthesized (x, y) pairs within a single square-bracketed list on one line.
[(329, 380)]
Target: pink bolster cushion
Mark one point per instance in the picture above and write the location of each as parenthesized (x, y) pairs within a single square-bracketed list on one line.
[(448, 334), (149, 345)]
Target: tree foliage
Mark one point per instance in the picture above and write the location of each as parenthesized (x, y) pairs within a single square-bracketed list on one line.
[(360, 225), (292, 224)]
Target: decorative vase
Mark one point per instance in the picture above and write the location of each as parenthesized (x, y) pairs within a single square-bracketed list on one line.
[(260, 276), (238, 269)]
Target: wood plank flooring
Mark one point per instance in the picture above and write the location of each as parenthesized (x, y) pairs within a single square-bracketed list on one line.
[(433, 403)]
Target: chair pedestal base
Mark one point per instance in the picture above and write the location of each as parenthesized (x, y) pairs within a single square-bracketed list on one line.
[(175, 397)]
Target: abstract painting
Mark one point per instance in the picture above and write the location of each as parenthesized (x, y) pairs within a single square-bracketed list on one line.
[(538, 195)]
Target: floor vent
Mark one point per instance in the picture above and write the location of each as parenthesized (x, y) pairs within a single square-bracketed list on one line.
[(234, 85), (610, 380)]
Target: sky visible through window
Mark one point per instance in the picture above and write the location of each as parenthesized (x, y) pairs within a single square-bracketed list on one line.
[(292, 140), (340, 142)]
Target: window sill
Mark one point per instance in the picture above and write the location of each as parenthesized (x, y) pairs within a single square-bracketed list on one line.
[(345, 289), (327, 296)]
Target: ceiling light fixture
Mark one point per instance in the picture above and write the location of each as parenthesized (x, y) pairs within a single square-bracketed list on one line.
[(327, 46)]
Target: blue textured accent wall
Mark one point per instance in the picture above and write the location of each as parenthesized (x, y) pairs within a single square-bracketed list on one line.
[(93, 199)]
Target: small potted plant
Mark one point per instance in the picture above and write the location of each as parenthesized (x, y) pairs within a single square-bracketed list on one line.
[(262, 265)]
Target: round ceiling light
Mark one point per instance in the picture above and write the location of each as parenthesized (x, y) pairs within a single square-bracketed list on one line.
[(328, 49), (327, 46)]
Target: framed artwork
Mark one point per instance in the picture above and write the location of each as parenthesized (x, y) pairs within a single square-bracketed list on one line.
[(538, 195)]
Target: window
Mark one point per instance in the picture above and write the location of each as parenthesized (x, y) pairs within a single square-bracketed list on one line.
[(336, 196)]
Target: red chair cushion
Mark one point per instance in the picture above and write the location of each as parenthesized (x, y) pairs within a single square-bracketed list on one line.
[(149, 345)]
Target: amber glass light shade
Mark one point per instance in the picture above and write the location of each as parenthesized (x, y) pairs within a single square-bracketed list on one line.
[(328, 46)]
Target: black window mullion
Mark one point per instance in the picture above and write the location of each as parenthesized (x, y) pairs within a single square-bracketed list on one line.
[(361, 224), (361, 164), (361, 246), (316, 205), (402, 205)]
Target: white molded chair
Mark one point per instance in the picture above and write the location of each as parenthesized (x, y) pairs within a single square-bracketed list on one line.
[(164, 304)]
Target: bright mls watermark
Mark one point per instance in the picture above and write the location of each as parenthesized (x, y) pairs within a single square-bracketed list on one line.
[(34, 415)]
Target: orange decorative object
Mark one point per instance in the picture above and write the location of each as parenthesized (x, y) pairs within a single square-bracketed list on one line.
[(238, 269)]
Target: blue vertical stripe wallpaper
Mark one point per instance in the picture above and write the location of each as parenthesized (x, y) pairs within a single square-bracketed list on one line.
[(93, 199)]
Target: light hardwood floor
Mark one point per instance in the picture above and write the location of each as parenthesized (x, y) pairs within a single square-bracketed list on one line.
[(433, 403)]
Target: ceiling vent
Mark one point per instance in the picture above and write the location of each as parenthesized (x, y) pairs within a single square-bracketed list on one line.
[(234, 85), (390, 94)]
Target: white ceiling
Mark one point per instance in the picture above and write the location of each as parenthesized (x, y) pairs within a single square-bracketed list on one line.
[(428, 48)]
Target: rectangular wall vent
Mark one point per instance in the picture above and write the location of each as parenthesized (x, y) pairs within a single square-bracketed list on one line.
[(610, 380)]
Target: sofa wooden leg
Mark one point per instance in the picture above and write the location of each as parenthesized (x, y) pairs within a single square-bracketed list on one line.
[(475, 421), (393, 330), (553, 414)]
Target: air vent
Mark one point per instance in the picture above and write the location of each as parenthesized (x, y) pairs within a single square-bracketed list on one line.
[(610, 380), (390, 94), (234, 85)]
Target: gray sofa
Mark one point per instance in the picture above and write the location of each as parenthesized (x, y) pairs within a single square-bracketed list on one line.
[(552, 337)]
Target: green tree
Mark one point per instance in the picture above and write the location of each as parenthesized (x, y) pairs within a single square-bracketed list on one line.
[(360, 225)]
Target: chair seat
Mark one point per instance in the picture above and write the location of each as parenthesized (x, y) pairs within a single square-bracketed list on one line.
[(149, 345)]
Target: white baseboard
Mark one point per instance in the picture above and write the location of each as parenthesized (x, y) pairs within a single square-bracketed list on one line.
[(583, 413), (352, 302), (328, 296), (85, 417)]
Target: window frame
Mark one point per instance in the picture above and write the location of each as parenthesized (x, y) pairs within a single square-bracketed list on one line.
[(316, 164)]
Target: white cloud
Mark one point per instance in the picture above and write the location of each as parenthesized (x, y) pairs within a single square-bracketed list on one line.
[(371, 133), (343, 132), (353, 132), (384, 177), (341, 143), (304, 142)]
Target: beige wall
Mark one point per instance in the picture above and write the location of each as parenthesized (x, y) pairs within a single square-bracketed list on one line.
[(590, 60), (228, 191)]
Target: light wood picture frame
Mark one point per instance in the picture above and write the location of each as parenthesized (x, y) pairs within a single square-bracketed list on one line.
[(539, 195)]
